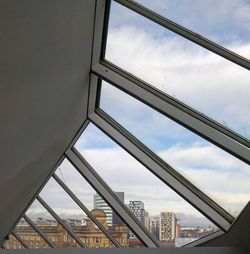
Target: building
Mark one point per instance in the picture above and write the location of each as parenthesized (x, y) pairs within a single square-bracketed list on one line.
[(167, 226), (147, 220), (112, 217), (52, 64), (87, 232), (116, 219), (154, 226), (99, 203), (137, 207)]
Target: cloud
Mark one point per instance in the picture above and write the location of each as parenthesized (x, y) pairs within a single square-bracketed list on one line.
[(223, 21), (185, 71)]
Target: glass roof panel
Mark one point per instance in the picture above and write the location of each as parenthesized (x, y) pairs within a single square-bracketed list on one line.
[(209, 83), (224, 22), (145, 194), (79, 222), (201, 162), (88, 196)]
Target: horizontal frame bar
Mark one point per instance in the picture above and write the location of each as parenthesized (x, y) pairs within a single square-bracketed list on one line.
[(37, 229), (162, 170), (86, 210), (61, 222), (186, 33), (213, 132), (110, 197)]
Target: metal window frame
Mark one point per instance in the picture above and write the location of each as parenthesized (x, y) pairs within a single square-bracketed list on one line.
[(203, 126), (20, 240), (162, 170), (207, 128), (86, 211), (61, 222), (222, 137), (91, 176), (39, 232), (186, 33)]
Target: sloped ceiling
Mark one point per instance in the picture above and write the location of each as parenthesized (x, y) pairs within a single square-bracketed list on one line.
[(45, 54)]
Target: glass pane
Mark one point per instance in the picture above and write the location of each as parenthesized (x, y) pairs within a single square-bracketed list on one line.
[(82, 226), (209, 83), (93, 202), (13, 243), (29, 235), (148, 198), (224, 22), (49, 226), (204, 164)]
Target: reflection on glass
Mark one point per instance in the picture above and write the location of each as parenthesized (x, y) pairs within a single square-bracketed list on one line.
[(201, 79), (224, 22), (94, 202), (207, 166), (165, 214)]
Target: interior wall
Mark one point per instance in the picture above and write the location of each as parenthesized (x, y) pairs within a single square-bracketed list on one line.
[(45, 54)]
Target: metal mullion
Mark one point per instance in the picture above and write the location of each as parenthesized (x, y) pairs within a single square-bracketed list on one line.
[(110, 197), (207, 238), (85, 209), (162, 170), (186, 33), (20, 240), (34, 226), (61, 222), (101, 13), (203, 126)]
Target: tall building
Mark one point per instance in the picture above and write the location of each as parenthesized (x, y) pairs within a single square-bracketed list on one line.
[(154, 226), (146, 220), (116, 220), (167, 226), (99, 203), (137, 207), (112, 217)]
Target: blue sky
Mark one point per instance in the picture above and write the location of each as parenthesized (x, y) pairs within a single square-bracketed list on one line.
[(205, 81)]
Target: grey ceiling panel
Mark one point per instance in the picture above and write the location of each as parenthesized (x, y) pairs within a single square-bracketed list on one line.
[(45, 55)]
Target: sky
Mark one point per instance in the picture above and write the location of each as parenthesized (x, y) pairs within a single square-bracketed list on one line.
[(189, 73)]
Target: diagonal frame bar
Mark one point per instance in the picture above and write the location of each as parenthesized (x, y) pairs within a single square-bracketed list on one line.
[(208, 129), (186, 33), (37, 229), (110, 197), (162, 170), (86, 210), (61, 222), (20, 240)]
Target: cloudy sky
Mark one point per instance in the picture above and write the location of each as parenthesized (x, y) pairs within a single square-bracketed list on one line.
[(189, 73)]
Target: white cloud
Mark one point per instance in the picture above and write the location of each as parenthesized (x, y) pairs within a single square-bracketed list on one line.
[(195, 76), (220, 176)]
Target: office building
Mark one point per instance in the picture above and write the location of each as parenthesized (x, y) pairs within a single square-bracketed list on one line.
[(112, 217), (154, 226), (137, 207), (167, 226)]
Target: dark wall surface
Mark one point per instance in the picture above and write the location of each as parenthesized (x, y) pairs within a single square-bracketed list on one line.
[(45, 54)]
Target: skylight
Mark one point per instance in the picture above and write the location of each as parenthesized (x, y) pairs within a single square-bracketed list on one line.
[(149, 167)]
